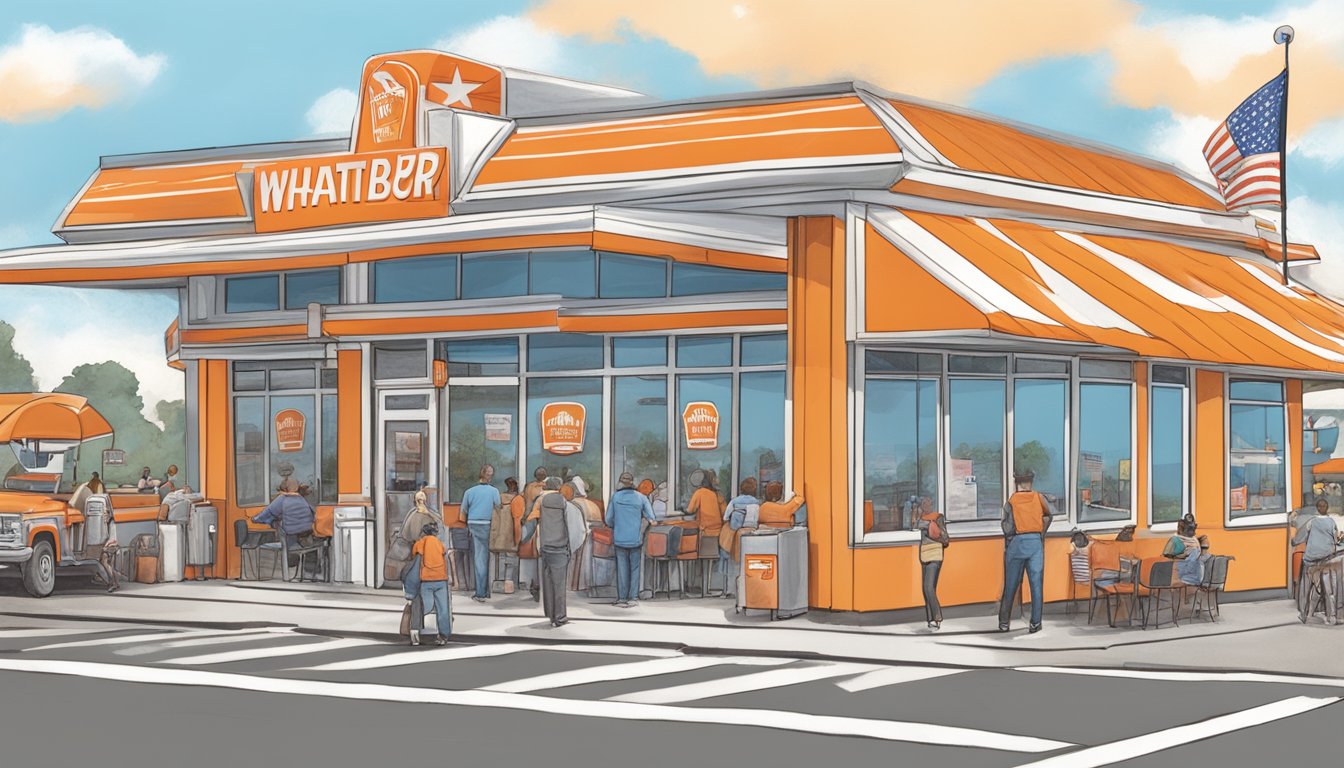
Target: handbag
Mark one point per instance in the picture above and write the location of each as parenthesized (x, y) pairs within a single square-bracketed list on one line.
[(398, 557), (501, 531)]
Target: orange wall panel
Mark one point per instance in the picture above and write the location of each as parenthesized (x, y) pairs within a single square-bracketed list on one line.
[(349, 422), (1210, 451), (1142, 444), (1300, 484)]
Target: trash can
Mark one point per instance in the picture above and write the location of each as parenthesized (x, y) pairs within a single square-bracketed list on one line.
[(202, 525), (773, 573), (351, 562)]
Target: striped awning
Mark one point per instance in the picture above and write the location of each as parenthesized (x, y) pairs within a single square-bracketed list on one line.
[(1153, 298)]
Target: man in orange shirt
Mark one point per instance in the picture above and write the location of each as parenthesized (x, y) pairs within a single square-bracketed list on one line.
[(1026, 518), (433, 581)]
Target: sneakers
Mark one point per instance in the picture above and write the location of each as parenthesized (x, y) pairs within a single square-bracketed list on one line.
[(1034, 628), (630, 604), (617, 603), (935, 625), (415, 637), (1004, 627), (112, 588), (479, 599), (440, 640), (560, 623)]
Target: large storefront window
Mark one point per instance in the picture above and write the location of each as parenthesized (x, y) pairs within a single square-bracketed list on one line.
[(975, 444), (285, 427), (1105, 463), (900, 449), (564, 427), (704, 434), (1257, 475), (1168, 443), (761, 436), (482, 429), (1040, 435), (639, 427)]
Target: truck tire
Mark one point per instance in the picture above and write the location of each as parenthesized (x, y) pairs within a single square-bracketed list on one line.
[(39, 573)]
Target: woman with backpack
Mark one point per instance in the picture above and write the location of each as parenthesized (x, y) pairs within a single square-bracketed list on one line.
[(742, 515), (1184, 548), (932, 541)]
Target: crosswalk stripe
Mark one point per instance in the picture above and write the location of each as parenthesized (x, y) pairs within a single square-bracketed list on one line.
[(16, 634), (161, 634), (249, 654), (1147, 744), (885, 730), (209, 639), (423, 656), (881, 678), (626, 671), (757, 681), (1189, 677)]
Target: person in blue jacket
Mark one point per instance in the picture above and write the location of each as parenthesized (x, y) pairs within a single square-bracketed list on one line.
[(626, 512)]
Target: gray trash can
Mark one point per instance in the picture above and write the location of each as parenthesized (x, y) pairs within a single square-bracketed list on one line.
[(350, 558), (202, 525)]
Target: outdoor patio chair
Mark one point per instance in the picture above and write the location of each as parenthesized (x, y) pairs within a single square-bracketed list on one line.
[(318, 549), (1126, 590), (1103, 569), (1160, 578), (1080, 573), (252, 541), (1214, 582)]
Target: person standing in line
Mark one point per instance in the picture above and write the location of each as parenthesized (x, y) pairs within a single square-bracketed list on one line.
[(707, 507), (553, 550), (776, 513), (533, 489), (507, 500), (626, 512), (1321, 536), (730, 536), (433, 582), (478, 507), (1026, 518), (933, 540)]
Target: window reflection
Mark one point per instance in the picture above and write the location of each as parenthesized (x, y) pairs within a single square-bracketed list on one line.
[(975, 469), (482, 429), (900, 450), (1104, 461), (639, 442), (1040, 434), (1167, 428), (762, 431), (707, 426)]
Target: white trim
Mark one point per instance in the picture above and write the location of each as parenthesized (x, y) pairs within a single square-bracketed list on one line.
[(1269, 518), (589, 128), (1187, 442)]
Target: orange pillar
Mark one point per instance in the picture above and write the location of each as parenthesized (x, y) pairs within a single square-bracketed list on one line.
[(216, 446), (1299, 482), (1138, 470), (1210, 451), (819, 391), (349, 423)]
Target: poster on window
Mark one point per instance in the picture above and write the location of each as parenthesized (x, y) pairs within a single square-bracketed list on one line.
[(963, 493), (1237, 498), (562, 426), (700, 423), (289, 427), (1092, 466), (499, 427), (406, 453)]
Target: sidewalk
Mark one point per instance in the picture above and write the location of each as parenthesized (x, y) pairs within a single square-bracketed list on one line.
[(1247, 637)]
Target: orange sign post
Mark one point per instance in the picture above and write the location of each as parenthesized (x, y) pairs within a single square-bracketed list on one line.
[(562, 426), (700, 422), (289, 429)]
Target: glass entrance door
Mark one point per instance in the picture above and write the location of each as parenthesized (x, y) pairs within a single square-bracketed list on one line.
[(406, 458)]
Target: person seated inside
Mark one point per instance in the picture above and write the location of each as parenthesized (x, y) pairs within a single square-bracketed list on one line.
[(169, 483), (776, 513), (290, 513), (147, 482)]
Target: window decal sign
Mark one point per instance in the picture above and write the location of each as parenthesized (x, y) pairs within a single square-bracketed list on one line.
[(499, 427), (289, 428), (700, 422), (562, 426)]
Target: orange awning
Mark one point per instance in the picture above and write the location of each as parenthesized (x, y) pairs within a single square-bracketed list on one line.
[(1149, 297), (160, 193), (52, 416)]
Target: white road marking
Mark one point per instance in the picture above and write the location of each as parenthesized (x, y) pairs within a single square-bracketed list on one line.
[(627, 671), (248, 654), (1191, 677), (757, 681), (421, 656), (894, 676), (8, 634), (886, 730), (1128, 749), (214, 638), (160, 635)]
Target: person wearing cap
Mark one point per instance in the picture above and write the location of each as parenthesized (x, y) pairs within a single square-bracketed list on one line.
[(1026, 518), (626, 512), (1321, 536)]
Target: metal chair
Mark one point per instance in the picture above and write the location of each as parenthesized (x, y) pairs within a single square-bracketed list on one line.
[(1214, 582), (1160, 579), (707, 557), (1125, 589), (603, 548), (318, 548), (252, 541)]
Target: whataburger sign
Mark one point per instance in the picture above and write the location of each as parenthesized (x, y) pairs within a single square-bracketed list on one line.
[(350, 189)]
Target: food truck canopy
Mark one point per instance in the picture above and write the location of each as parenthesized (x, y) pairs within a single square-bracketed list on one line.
[(52, 416)]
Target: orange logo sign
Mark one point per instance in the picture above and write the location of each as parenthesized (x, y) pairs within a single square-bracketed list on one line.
[(701, 422), (349, 189), (562, 426), (397, 88), (289, 427), (392, 90)]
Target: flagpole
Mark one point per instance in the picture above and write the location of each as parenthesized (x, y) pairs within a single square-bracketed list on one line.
[(1284, 36)]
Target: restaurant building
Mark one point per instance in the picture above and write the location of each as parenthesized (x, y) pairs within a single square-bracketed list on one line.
[(863, 295)]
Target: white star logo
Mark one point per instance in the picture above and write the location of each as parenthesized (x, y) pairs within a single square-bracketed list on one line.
[(457, 91)]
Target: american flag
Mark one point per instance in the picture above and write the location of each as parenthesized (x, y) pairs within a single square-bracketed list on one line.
[(1243, 151)]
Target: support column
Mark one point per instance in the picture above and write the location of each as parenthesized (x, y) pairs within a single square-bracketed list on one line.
[(350, 398)]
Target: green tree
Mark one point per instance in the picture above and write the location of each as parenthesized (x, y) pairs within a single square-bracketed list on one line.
[(115, 391), (1033, 455), (16, 373)]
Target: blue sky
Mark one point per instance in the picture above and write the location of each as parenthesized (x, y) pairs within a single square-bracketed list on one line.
[(192, 75)]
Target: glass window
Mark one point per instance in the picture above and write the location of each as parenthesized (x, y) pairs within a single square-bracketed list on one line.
[(638, 351), (1033, 365), (631, 277), (564, 352), (975, 440), (704, 351), (400, 361), (329, 474), (709, 446), (247, 381), (573, 436), (1167, 431), (698, 279), (329, 378), (572, 274), (761, 430), (293, 444), (491, 275), (1257, 469), (423, 278), (767, 349), (879, 361), (900, 450), (249, 449), (293, 378), (1106, 369), (406, 403), (254, 293), (1170, 374), (319, 286), (1104, 452), (482, 429), (1040, 435), (481, 357), (639, 443), (1267, 391), (407, 458), (977, 364)]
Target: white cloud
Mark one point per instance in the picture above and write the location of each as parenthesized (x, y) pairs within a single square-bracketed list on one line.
[(1322, 225), (510, 41), (1210, 47), (1324, 143), (332, 113), (1181, 141), (46, 73)]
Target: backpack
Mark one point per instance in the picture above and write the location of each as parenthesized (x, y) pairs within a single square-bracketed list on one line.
[(935, 530), (744, 516), (1175, 547)]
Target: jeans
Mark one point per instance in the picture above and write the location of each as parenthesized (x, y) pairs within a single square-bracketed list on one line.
[(933, 611), (727, 572), (554, 583), (435, 594), (1026, 552), (628, 562), (1322, 576), (480, 556)]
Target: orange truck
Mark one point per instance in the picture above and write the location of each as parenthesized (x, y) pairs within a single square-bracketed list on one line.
[(46, 527)]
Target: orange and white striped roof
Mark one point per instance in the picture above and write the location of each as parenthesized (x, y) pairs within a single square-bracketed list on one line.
[(159, 193), (1152, 298)]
